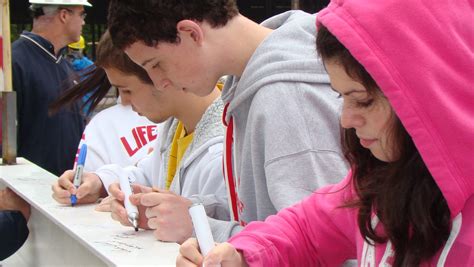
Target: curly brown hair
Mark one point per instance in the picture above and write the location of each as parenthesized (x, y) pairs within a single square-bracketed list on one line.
[(402, 193), (154, 21)]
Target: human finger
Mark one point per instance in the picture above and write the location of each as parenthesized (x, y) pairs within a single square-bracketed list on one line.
[(189, 252), (116, 192)]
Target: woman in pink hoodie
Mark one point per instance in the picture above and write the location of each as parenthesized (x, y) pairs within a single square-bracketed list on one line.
[(405, 72)]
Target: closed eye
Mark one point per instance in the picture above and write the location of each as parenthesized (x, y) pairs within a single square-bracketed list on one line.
[(123, 91), (365, 104)]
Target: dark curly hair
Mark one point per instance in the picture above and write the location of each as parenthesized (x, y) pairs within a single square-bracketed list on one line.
[(402, 193), (154, 21), (96, 81)]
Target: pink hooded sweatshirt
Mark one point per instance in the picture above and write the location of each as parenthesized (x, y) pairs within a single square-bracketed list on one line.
[(421, 54)]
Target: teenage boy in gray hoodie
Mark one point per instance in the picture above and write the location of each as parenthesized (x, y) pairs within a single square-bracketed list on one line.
[(282, 139)]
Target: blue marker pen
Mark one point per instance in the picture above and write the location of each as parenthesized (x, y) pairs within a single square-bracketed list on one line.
[(79, 168)]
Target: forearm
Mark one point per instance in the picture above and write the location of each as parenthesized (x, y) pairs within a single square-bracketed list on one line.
[(9, 201), (316, 231), (109, 174)]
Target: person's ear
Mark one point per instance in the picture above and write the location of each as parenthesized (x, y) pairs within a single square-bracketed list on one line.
[(63, 15), (191, 29)]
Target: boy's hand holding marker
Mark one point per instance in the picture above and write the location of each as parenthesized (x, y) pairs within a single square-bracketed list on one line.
[(160, 210), (117, 207), (78, 172), (86, 189), (131, 209)]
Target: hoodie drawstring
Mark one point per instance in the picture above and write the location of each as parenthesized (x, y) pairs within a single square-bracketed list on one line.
[(227, 166)]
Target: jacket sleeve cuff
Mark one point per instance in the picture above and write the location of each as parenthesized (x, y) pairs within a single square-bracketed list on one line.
[(109, 174)]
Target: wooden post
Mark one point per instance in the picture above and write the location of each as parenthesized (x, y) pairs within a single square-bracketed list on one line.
[(295, 4), (9, 145)]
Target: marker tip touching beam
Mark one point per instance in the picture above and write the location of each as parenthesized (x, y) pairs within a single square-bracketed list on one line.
[(132, 211), (79, 169)]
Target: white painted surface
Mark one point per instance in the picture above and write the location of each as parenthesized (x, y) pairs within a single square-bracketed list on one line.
[(61, 235)]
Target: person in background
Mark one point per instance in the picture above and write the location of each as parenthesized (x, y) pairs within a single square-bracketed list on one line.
[(404, 71), (80, 62), (282, 137), (40, 73), (75, 55), (185, 165), (14, 215)]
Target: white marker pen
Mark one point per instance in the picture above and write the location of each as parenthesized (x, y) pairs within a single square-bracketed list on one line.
[(132, 211), (201, 228)]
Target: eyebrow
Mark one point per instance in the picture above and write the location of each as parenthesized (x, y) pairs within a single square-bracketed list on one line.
[(350, 92), (355, 91), (117, 85)]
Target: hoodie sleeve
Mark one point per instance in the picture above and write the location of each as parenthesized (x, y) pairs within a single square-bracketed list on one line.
[(110, 173), (300, 143), (314, 232), (211, 187)]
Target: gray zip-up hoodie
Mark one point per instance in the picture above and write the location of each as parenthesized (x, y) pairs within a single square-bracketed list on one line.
[(199, 175), (286, 126)]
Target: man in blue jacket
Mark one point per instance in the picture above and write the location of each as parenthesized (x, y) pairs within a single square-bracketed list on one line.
[(40, 74), (14, 214)]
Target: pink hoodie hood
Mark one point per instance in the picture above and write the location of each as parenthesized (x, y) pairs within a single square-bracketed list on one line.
[(423, 60)]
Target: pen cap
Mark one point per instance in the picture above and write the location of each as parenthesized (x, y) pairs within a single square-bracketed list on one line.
[(79, 168), (81, 160), (201, 228)]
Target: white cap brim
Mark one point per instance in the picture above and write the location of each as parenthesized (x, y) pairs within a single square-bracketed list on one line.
[(64, 3)]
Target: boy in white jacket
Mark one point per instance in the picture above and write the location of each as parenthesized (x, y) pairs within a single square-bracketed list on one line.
[(192, 129), (118, 135)]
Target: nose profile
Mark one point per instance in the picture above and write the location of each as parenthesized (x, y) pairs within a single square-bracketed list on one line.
[(351, 118)]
